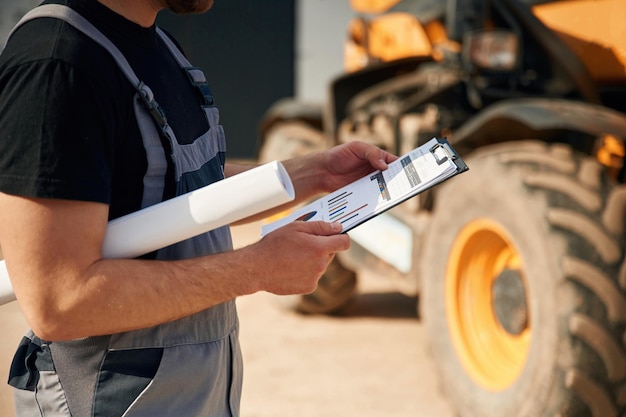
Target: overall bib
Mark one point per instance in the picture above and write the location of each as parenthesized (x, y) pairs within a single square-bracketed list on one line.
[(189, 367)]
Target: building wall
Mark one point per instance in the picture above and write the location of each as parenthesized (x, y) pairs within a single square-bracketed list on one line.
[(320, 32)]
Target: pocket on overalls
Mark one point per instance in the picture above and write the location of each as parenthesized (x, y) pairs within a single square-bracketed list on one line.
[(38, 391), (192, 380), (124, 375)]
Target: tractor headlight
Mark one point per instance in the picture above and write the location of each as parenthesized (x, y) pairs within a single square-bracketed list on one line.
[(495, 50)]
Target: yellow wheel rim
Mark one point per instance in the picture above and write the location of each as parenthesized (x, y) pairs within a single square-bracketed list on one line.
[(492, 356)]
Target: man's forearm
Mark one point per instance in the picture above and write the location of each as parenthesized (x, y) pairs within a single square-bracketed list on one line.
[(113, 296)]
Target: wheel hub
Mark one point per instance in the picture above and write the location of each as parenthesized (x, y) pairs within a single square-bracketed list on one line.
[(509, 301)]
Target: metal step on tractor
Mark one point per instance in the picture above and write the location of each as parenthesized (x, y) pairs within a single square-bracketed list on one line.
[(518, 265)]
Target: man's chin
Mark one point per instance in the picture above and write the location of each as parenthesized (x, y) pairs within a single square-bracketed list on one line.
[(189, 6)]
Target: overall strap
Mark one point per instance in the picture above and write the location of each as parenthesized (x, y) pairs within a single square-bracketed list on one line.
[(154, 179), (195, 75)]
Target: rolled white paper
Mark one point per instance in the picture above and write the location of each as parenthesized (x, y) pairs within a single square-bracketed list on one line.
[(6, 291), (207, 208)]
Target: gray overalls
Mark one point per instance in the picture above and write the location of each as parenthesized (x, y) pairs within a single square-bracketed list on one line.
[(187, 368)]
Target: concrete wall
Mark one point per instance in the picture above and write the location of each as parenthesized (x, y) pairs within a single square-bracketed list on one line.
[(320, 32)]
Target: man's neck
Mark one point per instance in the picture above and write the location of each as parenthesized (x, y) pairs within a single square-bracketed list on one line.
[(142, 12)]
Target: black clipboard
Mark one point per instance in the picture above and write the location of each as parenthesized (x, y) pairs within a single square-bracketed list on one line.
[(442, 152)]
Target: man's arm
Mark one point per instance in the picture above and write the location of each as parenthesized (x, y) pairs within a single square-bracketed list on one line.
[(66, 290), (53, 253)]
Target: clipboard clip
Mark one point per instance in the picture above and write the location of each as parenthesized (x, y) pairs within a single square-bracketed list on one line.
[(442, 151)]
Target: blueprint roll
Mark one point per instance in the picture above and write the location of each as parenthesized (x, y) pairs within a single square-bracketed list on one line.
[(216, 205), (6, 291)]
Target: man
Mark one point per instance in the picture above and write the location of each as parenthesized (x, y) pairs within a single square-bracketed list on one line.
[(155, 336)]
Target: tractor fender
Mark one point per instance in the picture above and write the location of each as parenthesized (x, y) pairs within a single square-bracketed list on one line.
[(292, 109), (308, 116), (551, 120)]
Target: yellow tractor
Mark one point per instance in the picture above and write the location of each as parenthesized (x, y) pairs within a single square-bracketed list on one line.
[(519, 264)]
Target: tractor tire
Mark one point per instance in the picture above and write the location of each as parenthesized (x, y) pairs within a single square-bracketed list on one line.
[(289, 139), (524, 295)]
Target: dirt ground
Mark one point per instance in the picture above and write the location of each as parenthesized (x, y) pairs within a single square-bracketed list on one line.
[(370, 361)]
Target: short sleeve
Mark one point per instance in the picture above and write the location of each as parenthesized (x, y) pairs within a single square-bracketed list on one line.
[(56, 132)]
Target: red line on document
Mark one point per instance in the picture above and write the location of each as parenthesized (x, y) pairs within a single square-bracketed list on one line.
[(353, 211)]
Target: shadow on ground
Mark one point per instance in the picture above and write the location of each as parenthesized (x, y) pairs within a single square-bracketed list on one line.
[(392, 305)]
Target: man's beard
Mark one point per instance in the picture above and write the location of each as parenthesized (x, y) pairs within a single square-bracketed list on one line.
[(189, 6)]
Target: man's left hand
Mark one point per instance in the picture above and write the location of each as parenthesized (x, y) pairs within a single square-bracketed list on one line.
[(346, 163)]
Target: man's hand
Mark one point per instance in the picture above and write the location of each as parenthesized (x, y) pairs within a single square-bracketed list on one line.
[(325, 172), (351, 161), (292, 259)]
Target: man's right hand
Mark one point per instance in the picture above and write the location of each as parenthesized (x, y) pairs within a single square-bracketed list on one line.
[(291, 259)]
